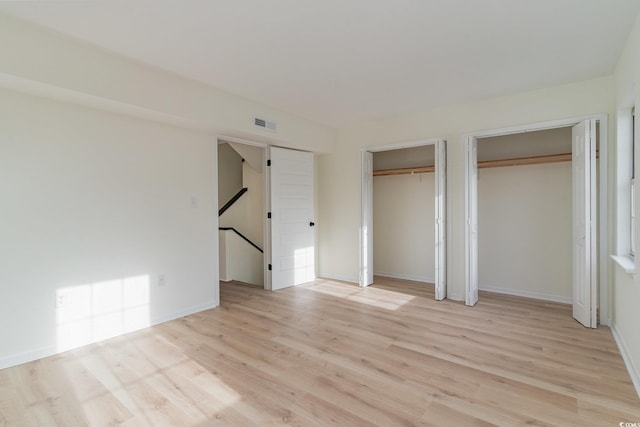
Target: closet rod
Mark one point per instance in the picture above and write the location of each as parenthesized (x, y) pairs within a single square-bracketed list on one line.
[(520, 161), (534, 160)]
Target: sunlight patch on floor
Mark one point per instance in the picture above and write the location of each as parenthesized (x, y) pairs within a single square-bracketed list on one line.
[(162, 381), (376, 297)]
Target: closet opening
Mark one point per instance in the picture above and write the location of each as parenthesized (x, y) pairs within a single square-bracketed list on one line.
[(534, 215), (403, 222), (525, 214)]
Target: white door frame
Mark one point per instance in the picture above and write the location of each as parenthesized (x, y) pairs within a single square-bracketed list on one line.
[(366, 223), (266, 191), (603, 267)]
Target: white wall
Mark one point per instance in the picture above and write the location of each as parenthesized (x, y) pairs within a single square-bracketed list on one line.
[(254, 181), (239, 260), (524, 230), (229, 173), (403, 226), (339, 172), (44, 62), (91, 200), (246, 214), (109, 180), (626, 287)]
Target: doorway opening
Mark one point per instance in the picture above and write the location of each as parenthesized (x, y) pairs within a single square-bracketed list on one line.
[(403, 214), (536, 205), (266, 217), (242, 228)]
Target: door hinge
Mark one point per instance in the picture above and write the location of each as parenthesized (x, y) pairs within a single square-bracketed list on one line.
[(269, 162), (269, 267), (269, 215)]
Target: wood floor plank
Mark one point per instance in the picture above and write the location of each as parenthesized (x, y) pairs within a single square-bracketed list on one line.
[(331, 353)]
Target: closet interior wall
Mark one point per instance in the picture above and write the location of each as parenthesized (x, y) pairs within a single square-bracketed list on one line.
[(525, 217), (404, 215)]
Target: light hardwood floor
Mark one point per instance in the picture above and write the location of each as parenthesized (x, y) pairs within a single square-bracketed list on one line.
[(330, 353)]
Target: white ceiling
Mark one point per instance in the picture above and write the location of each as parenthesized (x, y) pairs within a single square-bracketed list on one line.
[(343, 61)]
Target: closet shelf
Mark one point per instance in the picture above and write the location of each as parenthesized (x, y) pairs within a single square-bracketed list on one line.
[(520, 161), (404, 171)]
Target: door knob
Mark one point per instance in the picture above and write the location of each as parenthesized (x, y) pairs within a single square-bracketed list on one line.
[(311, 224)]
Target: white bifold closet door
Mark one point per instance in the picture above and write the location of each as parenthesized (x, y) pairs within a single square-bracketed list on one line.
[(292, 218), (440, 218), (584, 223), (471, 227), (366, 220)]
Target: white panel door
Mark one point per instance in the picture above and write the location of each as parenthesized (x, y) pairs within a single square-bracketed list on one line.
[(292, 218), (584, 223), (366, 221), (471, 229), (440, 206)]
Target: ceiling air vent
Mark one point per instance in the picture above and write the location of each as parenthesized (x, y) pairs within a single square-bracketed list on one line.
[(265, 124)]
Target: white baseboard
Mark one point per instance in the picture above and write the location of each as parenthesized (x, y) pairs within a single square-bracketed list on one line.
[(528, 294), (405, 277), (339, 278), (182, 313), (27, 356), (455, 297), (634, 372), (31, 355)]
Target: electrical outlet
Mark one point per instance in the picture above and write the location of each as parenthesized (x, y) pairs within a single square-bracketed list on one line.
[(162, 280), (61, 301)]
